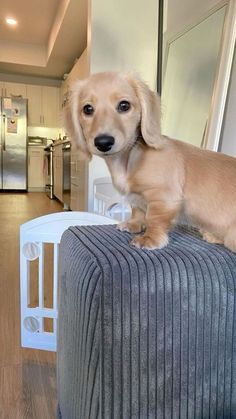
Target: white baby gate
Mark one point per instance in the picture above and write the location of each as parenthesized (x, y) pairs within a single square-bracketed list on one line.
[(34, 236)]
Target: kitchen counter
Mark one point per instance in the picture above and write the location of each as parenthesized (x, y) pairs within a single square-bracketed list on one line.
[(59, 142)]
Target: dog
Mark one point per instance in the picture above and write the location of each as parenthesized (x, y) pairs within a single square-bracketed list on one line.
[(117, 117)]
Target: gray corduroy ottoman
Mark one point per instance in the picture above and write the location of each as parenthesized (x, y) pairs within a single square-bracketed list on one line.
[(145, 334)]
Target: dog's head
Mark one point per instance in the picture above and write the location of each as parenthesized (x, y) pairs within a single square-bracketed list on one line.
[(108, 111)]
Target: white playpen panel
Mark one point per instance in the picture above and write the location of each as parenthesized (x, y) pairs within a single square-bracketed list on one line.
[(108, 202), (33, 236)]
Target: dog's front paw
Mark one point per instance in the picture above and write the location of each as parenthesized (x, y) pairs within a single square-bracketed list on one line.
[(122, 226), (131, 226), (150, 243), (210, 238)]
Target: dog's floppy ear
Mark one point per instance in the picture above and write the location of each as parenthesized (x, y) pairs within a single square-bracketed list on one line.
[(150, 112), (71, 120)]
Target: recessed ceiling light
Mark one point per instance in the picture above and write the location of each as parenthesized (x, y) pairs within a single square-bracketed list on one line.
[(11, 21)]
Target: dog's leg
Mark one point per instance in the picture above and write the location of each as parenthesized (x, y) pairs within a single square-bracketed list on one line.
[(159, 217), (136, 223)]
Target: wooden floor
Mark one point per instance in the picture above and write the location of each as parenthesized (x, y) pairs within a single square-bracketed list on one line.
[(27, 377)]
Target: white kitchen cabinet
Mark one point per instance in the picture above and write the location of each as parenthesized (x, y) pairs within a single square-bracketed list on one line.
[(34, 96), (1, 88), (58, 172), (8, 89), (64, 92), (79, 178), (50, 106), (80, 70), (43, 105), (79, 182), (15, 89), (36, 175)]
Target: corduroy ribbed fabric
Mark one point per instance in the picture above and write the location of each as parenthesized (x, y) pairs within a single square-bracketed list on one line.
[(145, 334)]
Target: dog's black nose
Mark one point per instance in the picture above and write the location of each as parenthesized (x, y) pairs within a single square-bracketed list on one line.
[(104, 142)]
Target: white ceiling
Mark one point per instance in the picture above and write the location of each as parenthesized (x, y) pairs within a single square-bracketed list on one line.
[(49, 36)]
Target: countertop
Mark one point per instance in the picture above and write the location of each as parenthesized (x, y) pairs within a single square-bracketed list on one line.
[(58, 142)]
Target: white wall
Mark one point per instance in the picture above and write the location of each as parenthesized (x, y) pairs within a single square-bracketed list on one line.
[(122, 37)]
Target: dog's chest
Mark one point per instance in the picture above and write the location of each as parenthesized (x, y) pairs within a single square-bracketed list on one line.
[(119, 177), (137, 201), (122, 184), (121, 181)]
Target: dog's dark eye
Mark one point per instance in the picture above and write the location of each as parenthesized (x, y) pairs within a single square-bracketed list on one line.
[(123, 106), (88, 109)]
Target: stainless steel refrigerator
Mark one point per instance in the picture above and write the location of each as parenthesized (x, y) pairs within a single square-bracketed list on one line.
[(13, 144)]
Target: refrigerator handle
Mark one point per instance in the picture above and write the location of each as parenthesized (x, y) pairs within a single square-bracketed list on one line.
[(3, 132)]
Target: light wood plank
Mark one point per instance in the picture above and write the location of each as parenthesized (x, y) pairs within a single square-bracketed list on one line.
[(27, 377)]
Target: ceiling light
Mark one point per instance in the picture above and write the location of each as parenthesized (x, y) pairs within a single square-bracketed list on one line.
[(11, 21)]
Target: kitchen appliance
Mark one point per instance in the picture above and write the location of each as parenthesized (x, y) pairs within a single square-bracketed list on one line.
[(66, 153), (13, 143), (48, 156)]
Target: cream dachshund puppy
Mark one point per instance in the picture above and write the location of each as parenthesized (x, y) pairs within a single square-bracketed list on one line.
[(117, 117)]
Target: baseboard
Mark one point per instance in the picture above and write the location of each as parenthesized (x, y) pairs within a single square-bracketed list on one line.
[(30, 189)]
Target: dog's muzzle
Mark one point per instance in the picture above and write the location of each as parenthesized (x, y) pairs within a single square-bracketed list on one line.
[(104, 142)]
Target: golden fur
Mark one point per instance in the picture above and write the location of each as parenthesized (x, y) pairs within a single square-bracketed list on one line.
[(161, 177)]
